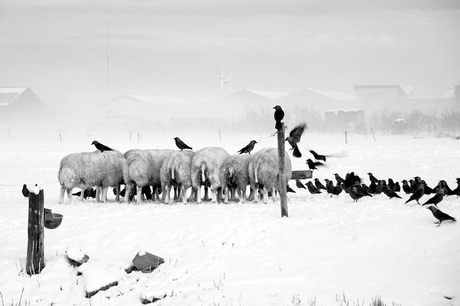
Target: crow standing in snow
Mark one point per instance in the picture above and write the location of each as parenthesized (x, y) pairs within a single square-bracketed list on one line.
[(248, 148), (418, 193), (312, 188), (390, 193), (278, 115), (299, 184), (294, 139), (25, 191), (441, 216), (181, 145), (319, 185), (437, 198), (100, 146)]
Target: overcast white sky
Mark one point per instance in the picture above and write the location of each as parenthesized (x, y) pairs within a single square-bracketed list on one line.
[(58, 48)]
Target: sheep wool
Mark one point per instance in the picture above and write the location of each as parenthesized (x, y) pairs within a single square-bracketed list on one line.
[(234, 173), (205, 170), (175, 171)]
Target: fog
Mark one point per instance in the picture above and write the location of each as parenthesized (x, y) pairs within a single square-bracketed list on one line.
[(77, 55)]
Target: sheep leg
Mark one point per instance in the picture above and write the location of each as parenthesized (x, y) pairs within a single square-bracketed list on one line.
[(140, 196), (166, 191), (61, 194), (214, 195), (198, 195), (242, 192), (82, 195), (98, 194), (226, 194), (104, 191), (264, 195), (184, 195), (117, 193)]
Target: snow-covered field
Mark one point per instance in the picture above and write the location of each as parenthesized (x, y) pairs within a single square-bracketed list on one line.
[(329, 251)]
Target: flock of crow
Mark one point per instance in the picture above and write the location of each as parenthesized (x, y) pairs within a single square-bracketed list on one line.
[(352, 185)]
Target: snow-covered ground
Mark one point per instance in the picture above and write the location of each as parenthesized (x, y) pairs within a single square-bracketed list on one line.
[(329, 250)]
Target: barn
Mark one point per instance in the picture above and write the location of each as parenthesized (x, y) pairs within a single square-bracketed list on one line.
[(19, 104)]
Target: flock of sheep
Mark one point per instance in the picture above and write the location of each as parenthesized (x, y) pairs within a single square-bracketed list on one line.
[(171, 170)]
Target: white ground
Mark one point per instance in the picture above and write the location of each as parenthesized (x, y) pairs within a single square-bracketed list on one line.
[(240, 254)]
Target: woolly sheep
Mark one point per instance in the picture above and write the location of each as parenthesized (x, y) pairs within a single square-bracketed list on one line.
[(205, 170), (175, 171), (234, 173), (88, 169), (263, 171), (143, 169)]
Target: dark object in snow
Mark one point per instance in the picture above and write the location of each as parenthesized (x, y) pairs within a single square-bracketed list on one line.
[(25, 191), (88, 193), (289, 189), (52, 220), (314, 165), (372, 178), (146, 262), (406, 188), (437, 198), (338, 178), (181, 145), (441, 216), (337, 189), (299, 184), (418, 193), (317, 156), (294, 139), (248, 148), (390, 193), (152, 299), (278, 115), (355, 194), (319, 185), (100, 146), (312, 188), (76, 257)]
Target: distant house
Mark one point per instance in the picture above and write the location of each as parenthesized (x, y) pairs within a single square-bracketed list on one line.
[(20, 103), (375, 98)]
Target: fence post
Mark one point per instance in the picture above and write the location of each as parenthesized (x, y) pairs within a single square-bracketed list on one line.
[(281, 172), (35, 246)]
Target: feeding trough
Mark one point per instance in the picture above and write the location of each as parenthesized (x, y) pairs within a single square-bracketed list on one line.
[(52, 220)]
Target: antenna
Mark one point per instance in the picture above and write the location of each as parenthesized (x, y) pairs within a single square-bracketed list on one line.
[(107, 60)]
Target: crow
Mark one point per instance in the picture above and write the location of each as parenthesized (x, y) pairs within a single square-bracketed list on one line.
[(299, 184), (456, 191), (355, 194), (289, 189), (397, 187), (319, 185), (329, 186), (248, 148), (312, 188), (25, 191), (441, 216), (100, 146), (406, 188), (390, 193), (294, 138), (318, 156), (181, 145), (418, 193), (437, 198), (338, 178), (372, 178), (313, 165), (88, 193), (278, 115), (337, 189)]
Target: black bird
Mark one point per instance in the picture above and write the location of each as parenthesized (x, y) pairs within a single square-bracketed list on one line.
[(318, 156), (337, 189), (100, 146), (289, 189), (372, 178), (397, 187), (418, 193), (248, 148), (456, 191), (355, 194), (406, 188), (319, 185), (181, 145), (88, 193), (279, 115), (390, 192), (329, 186), (350, 180), (294, 138), (314, 165), (380, 186), (338, 178), (299, 184), (441, 216), (312, 188), (25, 191), (437, 198)]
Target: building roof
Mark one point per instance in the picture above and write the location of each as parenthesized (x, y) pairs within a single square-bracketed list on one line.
[(9, 94), (405, 90), (273, 95)]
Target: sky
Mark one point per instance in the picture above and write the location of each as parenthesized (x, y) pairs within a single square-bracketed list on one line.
[(175, 48)]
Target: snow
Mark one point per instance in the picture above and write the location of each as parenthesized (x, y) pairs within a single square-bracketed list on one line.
[(330, 249)]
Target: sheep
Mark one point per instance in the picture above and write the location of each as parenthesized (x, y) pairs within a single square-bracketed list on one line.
[(88, 169), (263, 171), (205, 170), (142, 168), (176, 171), (234, 173)]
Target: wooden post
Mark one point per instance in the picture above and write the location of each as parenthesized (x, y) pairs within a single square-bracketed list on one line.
[(281, 172), (35, 246)]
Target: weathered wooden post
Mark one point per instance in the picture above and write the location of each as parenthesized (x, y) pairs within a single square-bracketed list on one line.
[(282, 172), (35, 246)]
